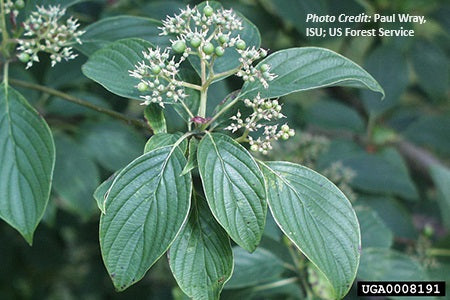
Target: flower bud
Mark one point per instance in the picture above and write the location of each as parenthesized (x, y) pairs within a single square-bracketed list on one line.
[(220, 51), (208, 11), (240, 44), (179, 46), (142, 87), (254, 148), (264, 68), (208, 48), (223, 39), (195, 42)]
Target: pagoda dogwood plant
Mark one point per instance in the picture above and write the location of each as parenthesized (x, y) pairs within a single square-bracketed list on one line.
[(192, 194)]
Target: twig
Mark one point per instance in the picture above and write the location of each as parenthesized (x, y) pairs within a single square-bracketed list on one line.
[(129, 120)]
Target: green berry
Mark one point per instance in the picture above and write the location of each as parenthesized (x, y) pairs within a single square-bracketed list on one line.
[(23, 57), (208, 48), (19, 4), (254, 148), (291, 132), (285, 128), (285, 136), (268, 105), (428, 230), (265, 67), (219, 51), (156, 69), (195, 42), (208, 11), (223, 39), (179, 46), (142, 87), (240, 45)]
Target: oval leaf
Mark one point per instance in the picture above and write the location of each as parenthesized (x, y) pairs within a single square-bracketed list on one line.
[(76, 177), (257, 268), (234, 188), (101, 192), (317, 218), (102, 33), (27, 157), (386, 264), (300, 69), (201, 258), (146, 207), (154, 115), (110, 65), (165, 139)]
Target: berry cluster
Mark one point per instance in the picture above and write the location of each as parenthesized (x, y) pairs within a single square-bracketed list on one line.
[(208, 32), (265, 110), (46, 33), (250, 73), (159, 76), (12, 7)]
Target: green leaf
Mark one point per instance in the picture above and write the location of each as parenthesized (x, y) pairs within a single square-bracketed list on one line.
[(192, 158), (76, 177), (374, 233), (27, 157), (109, 66), (300, 69), (431, 131), (431, 65), (165, 139), (234, 188), (389, 66), (65, 74), (111, 143), (200, 258), (334, 115), (384, 264), (101, 192), (395, 179), (146, 207), (155, 117), (255, 268), (230, 60), (393, 213), (102, 33), (368, 167), (317, 218), (441, 179)]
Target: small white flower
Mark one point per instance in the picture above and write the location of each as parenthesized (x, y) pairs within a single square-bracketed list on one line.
[(47, 33), (158, 76), (264, 110)]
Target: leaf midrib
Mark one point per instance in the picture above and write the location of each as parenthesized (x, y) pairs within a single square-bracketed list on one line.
[(229, 179)]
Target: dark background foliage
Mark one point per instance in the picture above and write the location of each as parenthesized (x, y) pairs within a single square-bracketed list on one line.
[(392, 156)]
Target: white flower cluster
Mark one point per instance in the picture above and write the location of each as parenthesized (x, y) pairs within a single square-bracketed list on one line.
[(13, 7), (212, 32), (159, 77), (206, 33), (222, 19), (250, 73), (265, 110), (45, 33)]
